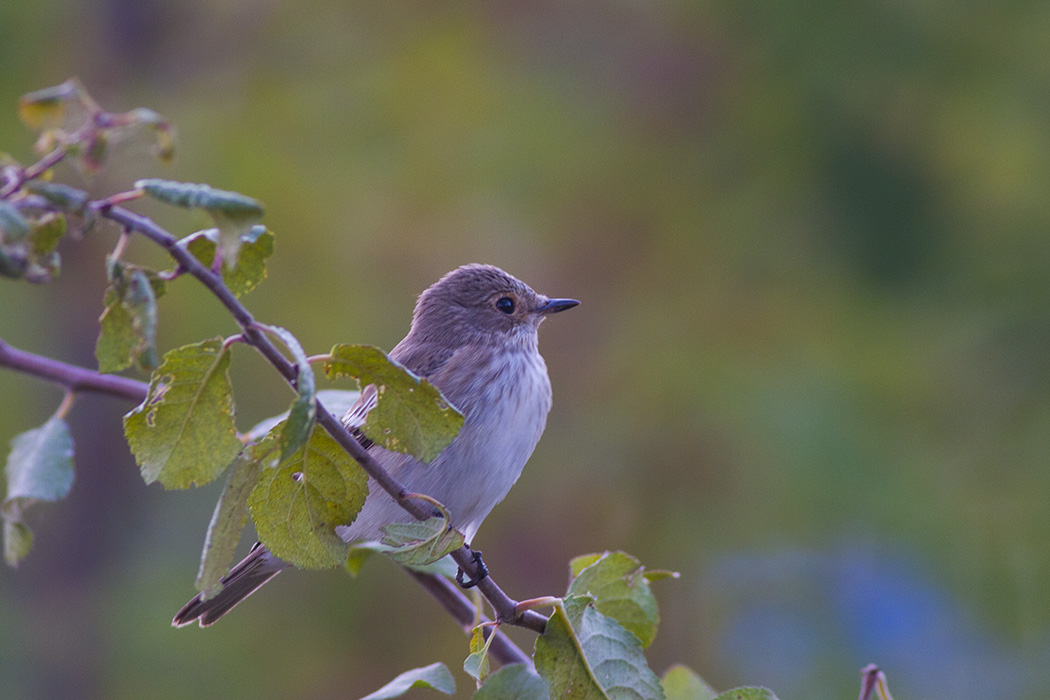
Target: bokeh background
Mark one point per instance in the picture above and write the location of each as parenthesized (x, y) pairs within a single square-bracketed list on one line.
[(810, 371)]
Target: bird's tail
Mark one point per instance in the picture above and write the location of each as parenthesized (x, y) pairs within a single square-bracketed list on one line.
[(244, 579)]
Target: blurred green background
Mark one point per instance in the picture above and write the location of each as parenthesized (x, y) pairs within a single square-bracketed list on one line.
[(810, 371)]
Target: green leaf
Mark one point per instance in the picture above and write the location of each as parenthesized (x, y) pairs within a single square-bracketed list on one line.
[(117, 339), (183, 433), (476, 664), (128, 324), (298, 503), (360, 552), (232, 212), (227, 522), (618, 584), (747, 694), (583, 654), (250, 270), (68, 199), (680, 683), (411, 415), (94, 153), (302, 417), (13, 226), (421, 542), (435, 676), (47, 232), (514, 682), (202, 245), (581, 562), (39, 468), (139, 298)]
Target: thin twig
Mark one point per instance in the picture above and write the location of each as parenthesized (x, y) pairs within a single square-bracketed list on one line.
[(34, 171), (464, 612), (503, 605)]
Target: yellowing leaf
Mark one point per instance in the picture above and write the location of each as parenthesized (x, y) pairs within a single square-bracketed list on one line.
[(298, 503), (44, 108), (476, 664), (411, 415), (46, 232), (680, 683)]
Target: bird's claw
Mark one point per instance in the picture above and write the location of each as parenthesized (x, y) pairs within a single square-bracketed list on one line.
[(483, 572)]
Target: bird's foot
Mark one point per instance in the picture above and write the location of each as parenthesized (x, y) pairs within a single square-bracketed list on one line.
[(483, 572)]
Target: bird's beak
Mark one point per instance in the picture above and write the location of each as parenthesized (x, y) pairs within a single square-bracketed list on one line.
[(553, 306)]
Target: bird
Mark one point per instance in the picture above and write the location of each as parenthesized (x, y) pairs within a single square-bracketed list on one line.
[(473, 336)]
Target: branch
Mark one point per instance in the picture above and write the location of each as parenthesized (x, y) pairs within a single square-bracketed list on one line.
[(502, 604), (32, 172), (83, 380), (460, 608), (71, 377)]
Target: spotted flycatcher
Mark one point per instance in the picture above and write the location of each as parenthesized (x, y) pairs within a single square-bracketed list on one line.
[(473, 336)]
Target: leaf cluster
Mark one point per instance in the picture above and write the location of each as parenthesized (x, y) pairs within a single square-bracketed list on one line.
[(592, 648), (288, 476)]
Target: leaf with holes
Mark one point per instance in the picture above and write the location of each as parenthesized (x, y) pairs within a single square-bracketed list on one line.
[(183, 433), (411, 415), (298, 503), (250, 270)]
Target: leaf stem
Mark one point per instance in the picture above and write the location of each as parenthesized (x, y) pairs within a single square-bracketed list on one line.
[(67, 403), (502, 604)]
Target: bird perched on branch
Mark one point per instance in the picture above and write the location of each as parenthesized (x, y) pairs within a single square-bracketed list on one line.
[(474, 337)]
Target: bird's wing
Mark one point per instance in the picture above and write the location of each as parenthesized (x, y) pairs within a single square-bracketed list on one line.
[(422, 359)]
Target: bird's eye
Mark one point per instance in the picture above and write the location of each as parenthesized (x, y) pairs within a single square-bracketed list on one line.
[(505, 304)]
